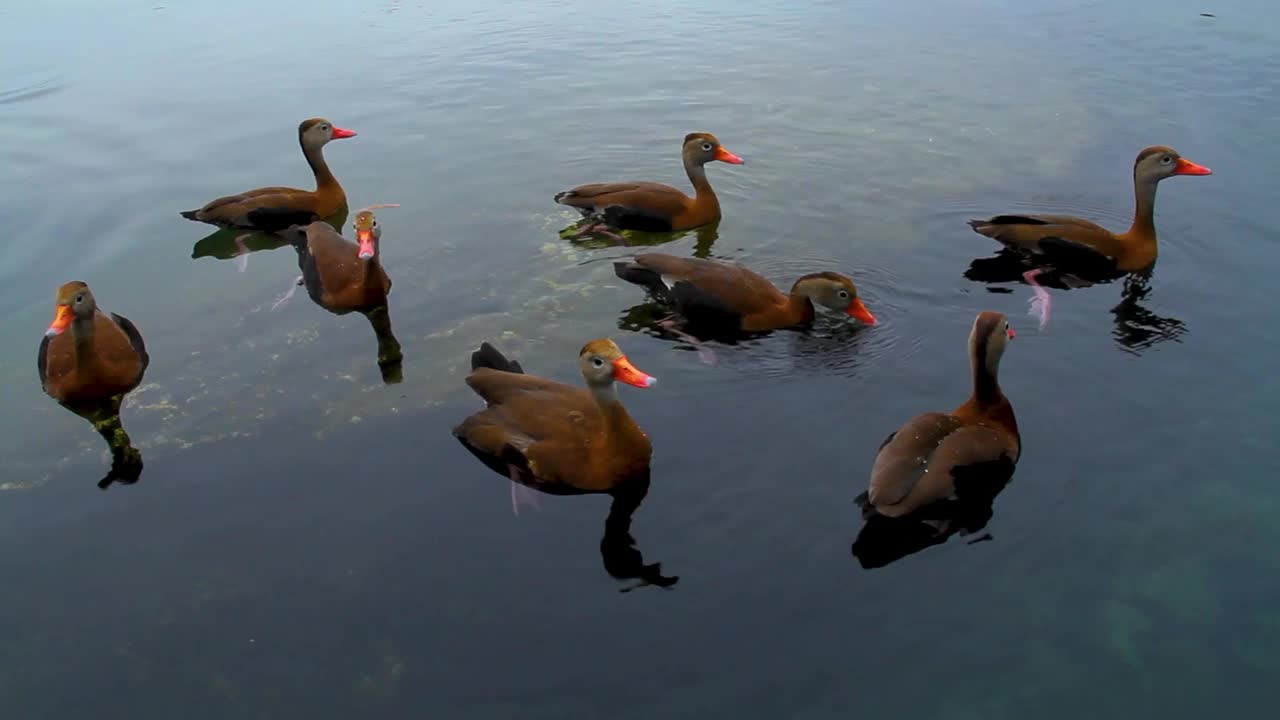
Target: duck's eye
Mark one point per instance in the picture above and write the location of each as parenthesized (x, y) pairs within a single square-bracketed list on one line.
[(375, 224), (706, 147), (843, 294), (79, 299), (1166, 159), (597, 362)]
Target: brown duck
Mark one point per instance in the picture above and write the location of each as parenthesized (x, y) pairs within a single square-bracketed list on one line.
[(556, 433), (707, 292), (343, 276), (88, 356), (1069, 242), (655, 207), (276, 208), (920, 463)]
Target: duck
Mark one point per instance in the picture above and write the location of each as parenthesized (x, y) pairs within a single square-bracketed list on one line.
[(709, 292), (343, 276), (88, 356), (272, 209), (1068, 243), (655, 207), (925, 460), (554, 434)]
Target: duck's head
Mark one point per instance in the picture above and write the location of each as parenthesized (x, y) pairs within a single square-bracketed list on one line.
[(701, 148), (602, 362), (368, 233), (990, 336), (1159, 162), (74, 300), (834, 292), (317, 132)]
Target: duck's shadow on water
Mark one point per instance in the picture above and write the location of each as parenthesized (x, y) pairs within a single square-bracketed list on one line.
[(126, 460), (826, 344), (1137, 328), (237, 244), (581, 235), (884, 540), (619, 553)]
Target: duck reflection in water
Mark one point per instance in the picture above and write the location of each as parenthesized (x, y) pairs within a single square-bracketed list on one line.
[(344, 277), (714, 300), (1136, 327), (939, 473), (235, 244), (88, 361), (590, 235)]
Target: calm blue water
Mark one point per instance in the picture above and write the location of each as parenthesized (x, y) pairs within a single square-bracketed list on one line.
[(307, 541)]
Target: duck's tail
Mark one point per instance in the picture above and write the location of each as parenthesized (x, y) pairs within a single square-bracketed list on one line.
[(638, 274), (489, 357)]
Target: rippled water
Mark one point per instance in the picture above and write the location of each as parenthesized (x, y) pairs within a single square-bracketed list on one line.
[(306, 540)]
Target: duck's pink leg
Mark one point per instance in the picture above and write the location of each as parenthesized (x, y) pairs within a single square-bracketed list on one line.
[(242, 257), (600, 229), (279, 303), (704, 353), (1040, 302), (521, 495)]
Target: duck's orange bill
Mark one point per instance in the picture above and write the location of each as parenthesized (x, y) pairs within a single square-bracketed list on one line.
[(860, 311), (61, 321), (624, 371), (1186, 167), (725, 156), (1011, 333), (339, 133), (365, 237)]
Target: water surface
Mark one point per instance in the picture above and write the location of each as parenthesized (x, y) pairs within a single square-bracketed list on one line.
[(307, 540)]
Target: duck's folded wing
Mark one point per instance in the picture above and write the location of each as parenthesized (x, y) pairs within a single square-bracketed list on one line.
[(917, 478), (903, 461)]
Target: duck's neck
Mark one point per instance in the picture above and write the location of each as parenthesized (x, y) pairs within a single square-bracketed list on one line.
[(616, 417), (324, 177), (702, 192), (799, 306), (1144, 210), (986, 385), (82, 333)]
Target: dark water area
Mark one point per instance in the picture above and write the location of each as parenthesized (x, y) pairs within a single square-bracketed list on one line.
[(309, 540)]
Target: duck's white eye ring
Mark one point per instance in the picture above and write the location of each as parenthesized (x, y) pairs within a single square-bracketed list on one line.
[(1166, 160), (706, 147), (79, 298), (844, 294), (597, 362)]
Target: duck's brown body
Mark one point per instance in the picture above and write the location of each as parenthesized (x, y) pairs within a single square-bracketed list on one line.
[(656, 207), (275, 208), (560, 434), (336, 277), (723, 293), (96, 358), (1073, 243), (919, 463)]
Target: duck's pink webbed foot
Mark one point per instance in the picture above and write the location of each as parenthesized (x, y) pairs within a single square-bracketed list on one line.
[(520, 494), (242, 253), (279, 303), (1040, 302), (705, 353)]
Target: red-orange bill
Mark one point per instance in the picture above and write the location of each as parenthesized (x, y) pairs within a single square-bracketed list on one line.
[(340, 133), (1011, 333), (1186, 167), (725, 156), (624, 371), (61, 321), (860, 311), (365, 238)]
